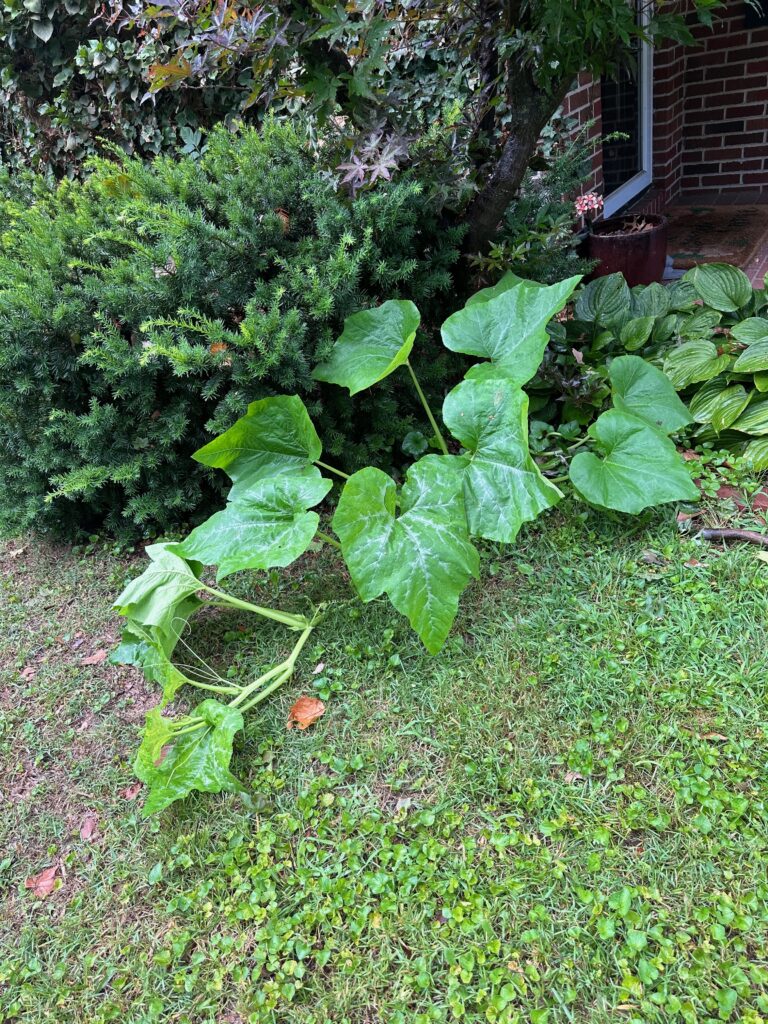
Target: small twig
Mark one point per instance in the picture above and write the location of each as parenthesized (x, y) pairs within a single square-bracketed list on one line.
[(746, 535)]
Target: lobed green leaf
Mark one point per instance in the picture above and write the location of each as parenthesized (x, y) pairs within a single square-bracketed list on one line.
[(503, 487), (639, 467), (643, 390), (373, 344), (508, 328), (423, 558)]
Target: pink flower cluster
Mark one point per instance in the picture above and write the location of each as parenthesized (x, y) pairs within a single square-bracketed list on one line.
[(588, 203)]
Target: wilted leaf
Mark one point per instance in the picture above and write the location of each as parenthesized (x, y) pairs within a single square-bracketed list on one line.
[(131, 792), (42, 885), (28, 672), (305, 712)]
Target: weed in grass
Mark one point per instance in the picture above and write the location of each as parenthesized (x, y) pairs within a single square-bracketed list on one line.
[(562, 819)]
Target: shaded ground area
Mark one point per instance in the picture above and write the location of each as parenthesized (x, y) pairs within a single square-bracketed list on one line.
[(560, 818), (712, 228)]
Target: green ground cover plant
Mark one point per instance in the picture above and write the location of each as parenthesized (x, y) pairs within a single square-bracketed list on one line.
[(414, 543), (564, 819)]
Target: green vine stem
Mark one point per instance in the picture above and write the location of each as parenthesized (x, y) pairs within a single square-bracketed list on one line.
[(326, 539), (292, 621), (331, 469), (278, 675), (427, 410)]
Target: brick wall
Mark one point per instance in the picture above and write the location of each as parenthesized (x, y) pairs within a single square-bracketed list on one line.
[(725, 125), (710, 117)]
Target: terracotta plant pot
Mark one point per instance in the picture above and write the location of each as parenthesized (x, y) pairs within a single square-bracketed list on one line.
[(639, 255)]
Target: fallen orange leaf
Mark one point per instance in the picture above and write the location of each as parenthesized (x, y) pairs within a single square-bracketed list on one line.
[(42, 884), (305, 712), (95, 659)]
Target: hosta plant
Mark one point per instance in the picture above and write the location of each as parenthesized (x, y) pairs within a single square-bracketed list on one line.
[(724, 370), (414, 540)]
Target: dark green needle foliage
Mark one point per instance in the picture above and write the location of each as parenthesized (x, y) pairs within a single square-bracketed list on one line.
[(142, 310)]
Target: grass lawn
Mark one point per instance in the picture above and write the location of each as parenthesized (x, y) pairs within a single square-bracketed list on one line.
[(560, 818)]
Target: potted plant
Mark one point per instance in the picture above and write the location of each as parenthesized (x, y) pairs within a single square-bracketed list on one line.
[(635, 244)]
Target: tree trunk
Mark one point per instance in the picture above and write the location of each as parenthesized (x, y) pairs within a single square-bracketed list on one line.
[(533, 108)]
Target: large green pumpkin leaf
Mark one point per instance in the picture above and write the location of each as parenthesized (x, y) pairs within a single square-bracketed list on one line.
[(156, 597), (423, 558), (509, 280), (274, 438), (695, 361), (509, 329), (605, 301), (643, 390), (149, 649), (503, 487), (721, 286), (755, 419), (640, 467), (267, 526), (374, 343), (198, 760)]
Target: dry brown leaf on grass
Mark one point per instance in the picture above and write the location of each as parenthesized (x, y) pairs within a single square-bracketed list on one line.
[(88, 826), (28, 672), (131, 792), (42, 885), (305, 712), (571, 777), (95, 659)]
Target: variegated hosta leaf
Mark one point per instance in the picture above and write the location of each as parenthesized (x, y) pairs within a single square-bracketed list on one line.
[(753, 359), (423, 558), (155, 597), (704, 402), (605, 301), (757, 453), (643, 390), (503, 487), (693, 362), (720, 286), (269, 525), (637, 466), (509, 328), (729, 406), (650, 301), (751, 330), (635, 333), (699, 324), (374, 343), (754, 420), (274, 438), (198, 760)]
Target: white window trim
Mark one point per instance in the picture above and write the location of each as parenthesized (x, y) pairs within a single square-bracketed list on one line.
[(632, 188)]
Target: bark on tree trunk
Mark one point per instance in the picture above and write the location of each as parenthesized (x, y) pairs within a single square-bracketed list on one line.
[(533, 108)]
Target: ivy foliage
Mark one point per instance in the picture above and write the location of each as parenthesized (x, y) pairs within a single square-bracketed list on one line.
[(143, 309), (415, 542)]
